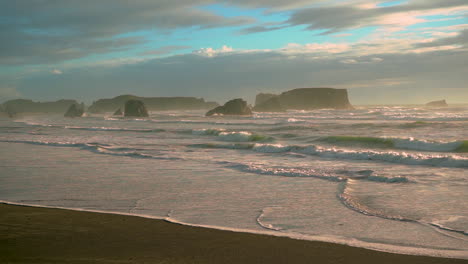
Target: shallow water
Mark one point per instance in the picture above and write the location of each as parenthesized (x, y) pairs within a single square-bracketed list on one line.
[(388, 178)]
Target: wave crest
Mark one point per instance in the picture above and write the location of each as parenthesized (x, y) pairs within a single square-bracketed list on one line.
[(98, 148), (240, 136), (399, 143), (451, 161)]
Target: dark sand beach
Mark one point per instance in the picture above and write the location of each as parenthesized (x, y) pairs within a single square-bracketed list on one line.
[(44, 235)]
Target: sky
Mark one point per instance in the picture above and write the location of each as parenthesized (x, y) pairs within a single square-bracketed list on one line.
[(383, 52)]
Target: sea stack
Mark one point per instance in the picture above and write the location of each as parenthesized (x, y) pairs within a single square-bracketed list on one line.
[(263, 97), (272, 104), (75, 111), (306, 99), (135, 108), (232, 107), (440, 103)]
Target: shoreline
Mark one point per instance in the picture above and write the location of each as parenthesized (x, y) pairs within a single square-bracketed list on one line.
[(31, 234), (373, 246)]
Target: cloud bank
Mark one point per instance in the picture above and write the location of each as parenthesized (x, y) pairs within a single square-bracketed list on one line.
[(91, 49)]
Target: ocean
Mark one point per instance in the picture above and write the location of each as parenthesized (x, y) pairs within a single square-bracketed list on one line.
[(390, 178)]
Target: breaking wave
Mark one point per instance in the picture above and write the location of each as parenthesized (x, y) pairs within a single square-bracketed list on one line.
[(349, 201), (110, 129), (354, 204), (399, 143), (436, 160), (330, 175), (267, 226), (98, 148), (114, 129), (241, 136)]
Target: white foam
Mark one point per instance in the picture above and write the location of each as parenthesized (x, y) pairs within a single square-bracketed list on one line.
[(391, 156), (210, 131), (242, 136)]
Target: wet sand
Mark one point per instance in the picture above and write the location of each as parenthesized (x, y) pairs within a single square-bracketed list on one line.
[(44, 235)]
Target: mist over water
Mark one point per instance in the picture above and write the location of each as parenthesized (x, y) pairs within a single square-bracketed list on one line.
[(389, 178)]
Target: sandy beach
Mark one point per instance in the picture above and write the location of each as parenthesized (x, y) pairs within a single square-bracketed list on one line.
[(44, 235)]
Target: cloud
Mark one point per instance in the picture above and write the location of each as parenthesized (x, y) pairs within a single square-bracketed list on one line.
[(460, 39), (262, 28), (362, 60), (317, 48), (52, 31), (376, 78), (49, 31), (275, 5), (349, 61), (210, 52), (347, 16), (56, 72)]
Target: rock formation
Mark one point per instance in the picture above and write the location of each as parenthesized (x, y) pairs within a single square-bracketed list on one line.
[(118, 112), (263, 97), (440, 103), (75, 111), (310, 98), (152, 103), (233, 107), (271, 105), (29, 106), (135, 108)]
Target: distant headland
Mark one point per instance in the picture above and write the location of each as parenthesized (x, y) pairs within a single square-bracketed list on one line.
[(152, 103), (303, 99), (296, 99)]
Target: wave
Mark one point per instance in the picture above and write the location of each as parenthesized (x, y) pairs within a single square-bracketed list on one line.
[(399, 143), (444, 224), (208, 132), (243, 136), (349, 201), (31, 124), (417, 124), (378, 142), (110, 129), (279, 127), (114, 129), (286, 128), (98, 148), (248, 122), (262, 224), (329, 175), (223, 146), (450, 161), (223, 135), (282, 171), (463, 147)]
